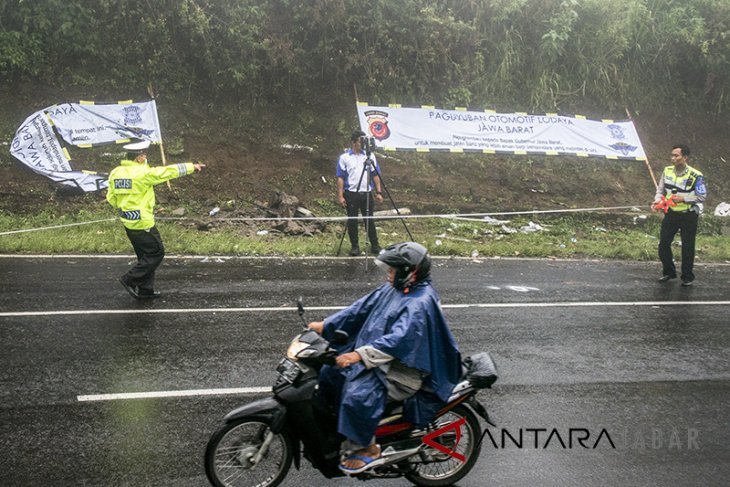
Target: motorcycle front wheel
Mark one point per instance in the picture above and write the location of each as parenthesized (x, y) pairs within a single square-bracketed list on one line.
[(246, 453), (435, 468)]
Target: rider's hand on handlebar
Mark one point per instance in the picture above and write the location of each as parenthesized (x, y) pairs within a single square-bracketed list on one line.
[(317, 326), (347, 359)]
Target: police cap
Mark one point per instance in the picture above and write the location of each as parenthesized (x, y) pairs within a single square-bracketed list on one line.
[(137, 147)]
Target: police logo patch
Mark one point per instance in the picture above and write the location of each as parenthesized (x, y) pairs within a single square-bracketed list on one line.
[(122, 184), (700, 188)]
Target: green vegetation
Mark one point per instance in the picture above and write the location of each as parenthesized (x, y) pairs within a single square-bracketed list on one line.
[(543, 55), (585, 236), (235, 79)]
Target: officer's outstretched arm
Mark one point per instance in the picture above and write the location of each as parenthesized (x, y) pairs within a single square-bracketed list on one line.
[(160, 174)]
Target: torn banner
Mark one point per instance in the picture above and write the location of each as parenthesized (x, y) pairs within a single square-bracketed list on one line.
[(427, 128), (83, 124)]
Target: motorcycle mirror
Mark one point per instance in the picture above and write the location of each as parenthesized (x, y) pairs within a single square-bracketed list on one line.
[(341, 337), (300, 310)]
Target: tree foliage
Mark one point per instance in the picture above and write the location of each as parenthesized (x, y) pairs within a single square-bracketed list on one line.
[(540, 55)]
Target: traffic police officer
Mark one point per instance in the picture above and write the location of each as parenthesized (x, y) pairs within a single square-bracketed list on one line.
[(686, 186), (131, 191)]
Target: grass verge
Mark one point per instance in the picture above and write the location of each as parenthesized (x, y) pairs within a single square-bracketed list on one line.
[(628, 236)]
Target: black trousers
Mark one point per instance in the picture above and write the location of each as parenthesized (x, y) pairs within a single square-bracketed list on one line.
[(362, 203), (686, 224), (150, 252)]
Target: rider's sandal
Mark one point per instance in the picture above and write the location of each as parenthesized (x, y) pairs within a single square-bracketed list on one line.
[(369, 463)]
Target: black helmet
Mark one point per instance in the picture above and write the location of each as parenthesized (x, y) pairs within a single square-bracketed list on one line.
[(410, 261)]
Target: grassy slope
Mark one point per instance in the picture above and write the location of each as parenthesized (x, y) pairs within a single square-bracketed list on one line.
[(247, 165)]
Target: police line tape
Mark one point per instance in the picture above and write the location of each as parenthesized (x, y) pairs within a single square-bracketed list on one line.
[(474, 217), (56, 226)]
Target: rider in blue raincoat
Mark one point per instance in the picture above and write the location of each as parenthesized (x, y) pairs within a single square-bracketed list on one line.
[(400, 349)]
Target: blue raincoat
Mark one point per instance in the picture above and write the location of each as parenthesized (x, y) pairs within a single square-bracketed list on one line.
[(411, 328)]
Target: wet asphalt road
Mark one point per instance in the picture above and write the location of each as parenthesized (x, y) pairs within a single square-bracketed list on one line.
[(594, 345)]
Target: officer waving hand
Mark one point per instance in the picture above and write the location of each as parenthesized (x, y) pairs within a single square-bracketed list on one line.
[(131, 192)]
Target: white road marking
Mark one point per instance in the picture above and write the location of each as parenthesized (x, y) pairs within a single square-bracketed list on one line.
[(211, 258), (587, 304), (162, 311), (260, 390), (563, 304), (160, 394)]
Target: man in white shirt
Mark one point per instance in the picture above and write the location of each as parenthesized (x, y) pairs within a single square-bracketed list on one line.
[(357, 175)]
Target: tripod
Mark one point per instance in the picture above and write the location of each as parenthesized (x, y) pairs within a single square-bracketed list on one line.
[(369, 167)]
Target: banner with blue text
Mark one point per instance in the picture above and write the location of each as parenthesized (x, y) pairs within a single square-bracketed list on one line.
[(427, 129), (85, 124), (36, 146)]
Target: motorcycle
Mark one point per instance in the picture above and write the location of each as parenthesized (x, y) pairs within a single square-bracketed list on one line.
[(259, 441)]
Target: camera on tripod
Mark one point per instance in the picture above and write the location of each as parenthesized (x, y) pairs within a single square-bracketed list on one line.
[(368, 144)]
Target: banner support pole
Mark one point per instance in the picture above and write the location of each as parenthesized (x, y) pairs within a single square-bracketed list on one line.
[(646, 159), (162, 148)]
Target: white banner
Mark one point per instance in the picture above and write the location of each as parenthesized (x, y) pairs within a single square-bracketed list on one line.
[(427, 128), (81, 124), (36, 146), (86, 123)]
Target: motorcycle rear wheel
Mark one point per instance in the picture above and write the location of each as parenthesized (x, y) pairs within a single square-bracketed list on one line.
[(450, 470), (230, 457)]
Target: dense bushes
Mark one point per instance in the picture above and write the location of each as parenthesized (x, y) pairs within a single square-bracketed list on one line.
[(539, 55)]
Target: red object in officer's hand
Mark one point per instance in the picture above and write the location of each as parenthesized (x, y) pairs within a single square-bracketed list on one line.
[(665, 203)]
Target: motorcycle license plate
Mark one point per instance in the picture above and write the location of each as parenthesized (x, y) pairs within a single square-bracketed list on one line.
[(288, 370)]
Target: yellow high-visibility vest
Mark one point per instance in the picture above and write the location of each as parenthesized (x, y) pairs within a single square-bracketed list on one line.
[(684, 185), (131, 190)]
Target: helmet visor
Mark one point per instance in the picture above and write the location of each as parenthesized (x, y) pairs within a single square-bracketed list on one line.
[(385, 267)]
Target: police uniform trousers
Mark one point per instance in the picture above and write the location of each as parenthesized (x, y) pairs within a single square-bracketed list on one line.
[(150, 252), (686, 224), (362, 203)]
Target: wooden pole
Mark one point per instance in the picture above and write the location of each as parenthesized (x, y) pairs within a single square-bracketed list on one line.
[(162, 148), (646, 159)]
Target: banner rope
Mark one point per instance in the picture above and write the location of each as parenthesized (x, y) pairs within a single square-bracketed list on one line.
[(473, 217), (461, 216), (56, 226)]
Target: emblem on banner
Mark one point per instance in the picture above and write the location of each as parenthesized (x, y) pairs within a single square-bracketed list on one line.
[(135, 132), (377, 121), (132, 116), (617, 132), (623, 148)]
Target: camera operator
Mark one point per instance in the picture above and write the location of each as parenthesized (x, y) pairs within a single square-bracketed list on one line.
[(357, 175)]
